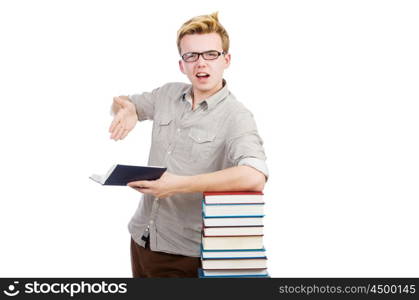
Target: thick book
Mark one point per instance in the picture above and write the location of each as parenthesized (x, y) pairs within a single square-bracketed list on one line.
[(233, 197), (231, 231), (235, 263), (239, 273), (232, 242), (232, 222), (232, 210), (123, 174), (229, 254)]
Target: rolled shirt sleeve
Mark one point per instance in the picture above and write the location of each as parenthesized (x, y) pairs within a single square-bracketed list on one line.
[(244, 145), (145, 103)]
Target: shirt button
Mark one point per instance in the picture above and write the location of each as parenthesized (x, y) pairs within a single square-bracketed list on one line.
[(178, 130), (151, 222), (169, 152)]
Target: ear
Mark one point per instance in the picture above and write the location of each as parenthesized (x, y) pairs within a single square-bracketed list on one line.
[(181, 67), (227, 59)]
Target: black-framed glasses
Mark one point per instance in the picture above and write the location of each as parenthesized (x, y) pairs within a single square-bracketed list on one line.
[(207, 55)]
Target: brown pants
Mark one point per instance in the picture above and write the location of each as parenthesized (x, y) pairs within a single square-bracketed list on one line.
[(147, 264)]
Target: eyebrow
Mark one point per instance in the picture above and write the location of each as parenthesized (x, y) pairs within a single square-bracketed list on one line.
[(202, 51)]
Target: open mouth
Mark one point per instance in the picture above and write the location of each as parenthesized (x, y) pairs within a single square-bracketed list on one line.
[(202, 75)]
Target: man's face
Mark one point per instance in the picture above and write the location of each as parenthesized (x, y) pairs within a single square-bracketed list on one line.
[(213, 68)]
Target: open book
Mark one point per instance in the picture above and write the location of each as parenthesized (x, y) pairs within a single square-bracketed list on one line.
[(122, 174)]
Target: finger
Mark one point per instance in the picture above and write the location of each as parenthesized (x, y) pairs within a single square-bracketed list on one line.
[(115, 122), (144, 191), (121, 133), (113, 125), (117, 100), (117, 132), (140, 184), (122, 102), (124, 135), (135, 184)]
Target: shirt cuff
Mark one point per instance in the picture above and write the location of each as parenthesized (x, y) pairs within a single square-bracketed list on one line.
[(134, 100), (255, 163)]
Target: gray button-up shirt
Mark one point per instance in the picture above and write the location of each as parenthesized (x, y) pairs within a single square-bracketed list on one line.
[(219, 133)]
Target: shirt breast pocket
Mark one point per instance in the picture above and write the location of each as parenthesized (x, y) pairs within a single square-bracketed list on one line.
[(203, 144), (163, 131)]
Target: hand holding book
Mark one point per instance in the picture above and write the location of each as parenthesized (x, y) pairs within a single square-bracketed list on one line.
[(147, 180), (167, 185)]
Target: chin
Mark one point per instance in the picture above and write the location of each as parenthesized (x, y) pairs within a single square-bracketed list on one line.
[(204, 89), (204, 86)]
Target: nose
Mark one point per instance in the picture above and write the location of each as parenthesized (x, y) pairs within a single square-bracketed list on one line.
[(200, 59)]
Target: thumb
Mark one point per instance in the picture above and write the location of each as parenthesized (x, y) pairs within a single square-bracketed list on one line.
[(120, 101), (140, 184)]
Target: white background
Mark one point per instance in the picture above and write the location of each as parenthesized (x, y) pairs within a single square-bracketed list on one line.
[(333, 86)]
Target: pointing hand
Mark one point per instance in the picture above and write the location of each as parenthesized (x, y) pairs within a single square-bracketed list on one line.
[(125, 118)]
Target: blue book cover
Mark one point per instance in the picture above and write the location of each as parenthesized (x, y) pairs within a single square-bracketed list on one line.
[(233, 273), (233, 254), (123, 174)]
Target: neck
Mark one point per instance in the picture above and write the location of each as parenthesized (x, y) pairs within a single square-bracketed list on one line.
[(198, 96)]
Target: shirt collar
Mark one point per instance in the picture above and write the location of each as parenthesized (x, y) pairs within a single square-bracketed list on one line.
[(212, 100)]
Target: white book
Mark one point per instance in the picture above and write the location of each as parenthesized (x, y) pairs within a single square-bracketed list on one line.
[(234, 254), (232, 242), (229, 231), (232, 222), (234, 263), (215, 210), (233, 197)]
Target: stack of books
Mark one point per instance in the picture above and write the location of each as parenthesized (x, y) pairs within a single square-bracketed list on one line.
[(232, 235)]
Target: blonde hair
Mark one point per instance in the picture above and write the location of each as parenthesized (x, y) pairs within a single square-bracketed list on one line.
[(204, 24)]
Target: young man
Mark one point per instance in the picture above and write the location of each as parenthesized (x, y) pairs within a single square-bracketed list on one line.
[(207, 140)]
